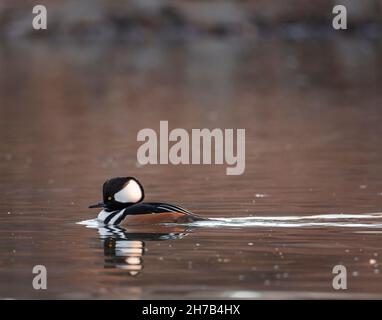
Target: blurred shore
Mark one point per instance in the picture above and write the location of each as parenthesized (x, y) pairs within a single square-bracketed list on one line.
[(147, 20)]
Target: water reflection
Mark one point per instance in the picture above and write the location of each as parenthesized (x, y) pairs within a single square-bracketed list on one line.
[(124, 248)]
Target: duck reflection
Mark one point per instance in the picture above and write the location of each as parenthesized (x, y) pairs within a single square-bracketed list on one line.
[(124, 248)]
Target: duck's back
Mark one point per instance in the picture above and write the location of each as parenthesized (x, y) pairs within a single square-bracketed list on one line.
[(155, 213)]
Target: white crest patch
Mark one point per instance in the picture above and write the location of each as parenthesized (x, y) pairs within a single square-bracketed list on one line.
[(131, 192)]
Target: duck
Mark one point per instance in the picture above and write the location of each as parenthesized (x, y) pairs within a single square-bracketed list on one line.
[(123, 205)]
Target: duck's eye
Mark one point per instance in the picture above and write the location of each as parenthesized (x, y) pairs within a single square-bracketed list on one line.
[(109, 198)]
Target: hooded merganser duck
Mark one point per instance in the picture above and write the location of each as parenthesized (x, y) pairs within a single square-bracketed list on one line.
[(122, 205)]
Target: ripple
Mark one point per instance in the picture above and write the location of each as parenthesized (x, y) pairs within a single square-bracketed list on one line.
[(323, 220)]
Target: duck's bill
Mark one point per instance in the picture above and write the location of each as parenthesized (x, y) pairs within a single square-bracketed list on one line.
[(97, 205)]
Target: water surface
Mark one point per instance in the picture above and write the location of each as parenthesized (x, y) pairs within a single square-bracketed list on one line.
[(310, 197)]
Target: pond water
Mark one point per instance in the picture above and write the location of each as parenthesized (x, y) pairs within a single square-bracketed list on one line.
[(310, 197)]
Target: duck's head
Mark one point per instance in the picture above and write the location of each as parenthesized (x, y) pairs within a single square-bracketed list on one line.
[(119, 193)]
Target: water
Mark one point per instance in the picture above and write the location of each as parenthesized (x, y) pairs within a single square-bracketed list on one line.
[(310, 198)]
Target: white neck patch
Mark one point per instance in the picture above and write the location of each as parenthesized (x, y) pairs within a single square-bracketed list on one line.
[(131, 192)]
